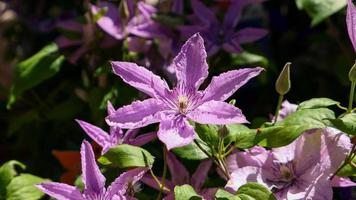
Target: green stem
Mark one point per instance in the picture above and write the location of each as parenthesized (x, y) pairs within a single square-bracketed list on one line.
[(351, 99), (164, 173), (158, 182), (280, 99)]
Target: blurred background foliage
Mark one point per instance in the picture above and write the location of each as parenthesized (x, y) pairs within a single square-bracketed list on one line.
[(42, 91)]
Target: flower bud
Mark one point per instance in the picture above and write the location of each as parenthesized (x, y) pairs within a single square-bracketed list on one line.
[(352, 73), (283, 81)]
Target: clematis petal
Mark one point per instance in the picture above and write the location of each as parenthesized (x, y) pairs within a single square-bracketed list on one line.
[(313, 185), (110, 22), (175, 132), (121, 184), (178, 7), (60, 191), (143, 139), (247, 35), (93, 180), (139, 77), (190, 63), (110, 108), (179, 173), (95, 133), (256, 156), (244, 175), (233, 14), (338, 181), (224, 85), (200, 174), (351, 22), (136, 115), (206, 15), (217, 112)]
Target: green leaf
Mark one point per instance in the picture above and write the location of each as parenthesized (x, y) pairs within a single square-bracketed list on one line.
[(7, 173), (224, 195), (208, 133), (319, 10), (125, 155), (192, 151), (254, 191), (22, 187), (348, 170), (185, 192), (317, 103), (244, 137), (346, 123), (295, 124), (245, 58), (34, 70)]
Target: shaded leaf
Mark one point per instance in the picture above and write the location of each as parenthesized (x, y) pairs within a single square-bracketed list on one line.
[(317, 103), (346, 123), (185, 192), (254, 191), (192, 151)]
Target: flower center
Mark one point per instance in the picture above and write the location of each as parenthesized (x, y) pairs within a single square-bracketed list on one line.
[(286, 173), (182, 104)]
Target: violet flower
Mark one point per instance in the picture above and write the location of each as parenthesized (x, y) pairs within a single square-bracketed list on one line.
[(94, 182), (116, 136), (137, 23), (173, 108), (181, 176), (219, 35), (351, 22), (300, 170)]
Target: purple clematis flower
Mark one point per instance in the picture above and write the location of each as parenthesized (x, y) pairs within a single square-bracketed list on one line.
[(181, 176), (221, 35), (173, 108), (116, 136), (300, 170), (94, 182), (351, 22), (138, 23)]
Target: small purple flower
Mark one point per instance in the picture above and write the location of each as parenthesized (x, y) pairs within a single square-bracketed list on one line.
[(181, 176), (221, 35), (94, 182), (116, 136), (351, 22), (300, 170), (173, 108), (138, 23)]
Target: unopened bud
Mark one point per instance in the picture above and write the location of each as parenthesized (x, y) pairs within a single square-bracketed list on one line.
[(352, 73), (283, 81), (232, 102)]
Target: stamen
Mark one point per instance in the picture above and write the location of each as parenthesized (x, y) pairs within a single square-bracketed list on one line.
[(183, 104)]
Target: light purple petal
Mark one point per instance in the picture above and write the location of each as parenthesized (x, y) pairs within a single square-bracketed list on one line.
[(179, 173), (217, 112), (136, 115), (110, 22), (224, 85), (61, 191), (130, 134), (93, 179), (121, 184), (206, 15), (176, 132), (137, 44), (97, 134), (139, 77), (190, 63), (338, 181), (247, 35), (242, 176), (312, 187), (256, 156), (143, 139), (200, 174), (286, 109), (351, 22), (110, 108)]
